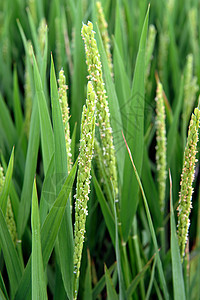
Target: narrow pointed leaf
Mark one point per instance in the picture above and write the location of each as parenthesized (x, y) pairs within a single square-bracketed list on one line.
[(45, 123), (137, 279), (109, 220), (122, 293), (151, 227), (30, 170), (179, 293), (5, 191), (38, 278), (49, 233), (13, 264), (65, 236), (101, 283), (17, 104), (135, 137), (111, 292), (88, 281)]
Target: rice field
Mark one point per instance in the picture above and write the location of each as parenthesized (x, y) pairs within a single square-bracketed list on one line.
[(99, 152)]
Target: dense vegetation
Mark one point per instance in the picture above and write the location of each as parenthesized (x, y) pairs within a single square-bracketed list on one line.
[(98, 144)]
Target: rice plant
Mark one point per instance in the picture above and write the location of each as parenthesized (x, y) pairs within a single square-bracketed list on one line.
[(99, 152)]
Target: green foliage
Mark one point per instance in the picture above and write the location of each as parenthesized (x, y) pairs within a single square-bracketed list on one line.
[(128, 250)]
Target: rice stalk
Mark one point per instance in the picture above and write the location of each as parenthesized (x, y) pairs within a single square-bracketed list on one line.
[(103, 115), (161, 162), (103, 27), (83, 179), (65, 115), (187, 178)]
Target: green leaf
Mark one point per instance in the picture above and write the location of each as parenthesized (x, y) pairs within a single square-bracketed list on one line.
[(47, 137), (59, 290), (122, 84), (13, 266), (10, 133), (137, 279), (2, 296), (111, 292), (101, 283), (54, 218), (48, 195), (30, 170), (151, 190), (3, 291), (119, 36), (88, 281), (122, 293), (173, 130), (65, 236), (17, 104), (178, 282), (79, 71), (58, 128), (49, 233), (108, 217), (151, 227), (73, 142), (135, 133), (148, 293), (34, 34), (38, 278), (5, 190)]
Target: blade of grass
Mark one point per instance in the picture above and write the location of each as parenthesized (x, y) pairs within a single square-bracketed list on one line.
[(65, 236), (101, 283), (48, 195), (151, 190), (122, 83), (139, 263), (2, 296), (12, 191), (135, 128), (73, 143), (59, 135), (7, 124), (49, 232), (88, 281), (179, 293), (3, 290), (34, 36), (17, 104), (173, 130), (151, 280), (119, 37), (38, 278), (111, 292), (5, 191), (30, 170), (13, 265), (47, 137), (159, 264), (138, 278), (108, 217), (59, 290), (122, 294), (79, 74)]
